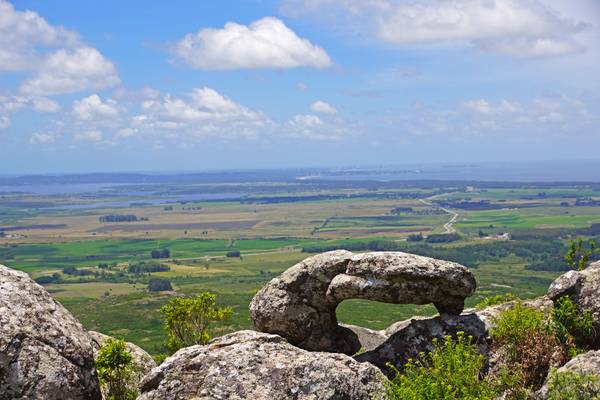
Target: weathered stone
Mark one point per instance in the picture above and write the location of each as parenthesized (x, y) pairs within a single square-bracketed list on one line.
[(402, 278), (254, 365), (584, 288), (300, 304), (584, 364), (44, 351), (409, 338), (142, 360)]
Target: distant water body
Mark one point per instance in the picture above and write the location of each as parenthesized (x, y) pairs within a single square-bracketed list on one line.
[(588, 171), (542, 171)]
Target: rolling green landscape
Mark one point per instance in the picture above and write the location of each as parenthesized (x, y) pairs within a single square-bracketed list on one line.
[(96, 252)]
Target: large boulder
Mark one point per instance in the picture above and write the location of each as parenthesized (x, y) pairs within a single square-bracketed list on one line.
[(584, 288), (142, 360), (300, 304), (584, 364), (254, 365), (44, 351)]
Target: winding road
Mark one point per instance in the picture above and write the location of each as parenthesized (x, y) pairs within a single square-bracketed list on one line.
[(448, 226)]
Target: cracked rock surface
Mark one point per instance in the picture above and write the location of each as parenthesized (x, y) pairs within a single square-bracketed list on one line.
[(254, 365), (45, 353)]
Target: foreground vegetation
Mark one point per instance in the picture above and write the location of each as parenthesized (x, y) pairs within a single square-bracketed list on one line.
[(526, 344)]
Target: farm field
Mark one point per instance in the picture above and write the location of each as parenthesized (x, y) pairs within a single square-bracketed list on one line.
[(94, 250)]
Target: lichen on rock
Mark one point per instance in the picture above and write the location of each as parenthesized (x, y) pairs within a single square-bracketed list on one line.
[(254, 365), (45, 353)]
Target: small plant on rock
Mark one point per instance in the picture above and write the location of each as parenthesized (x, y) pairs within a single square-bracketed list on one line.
[(116, 370), (571, 325)]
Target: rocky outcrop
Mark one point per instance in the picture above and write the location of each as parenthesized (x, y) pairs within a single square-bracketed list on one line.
[(44, 351), (142, 360), (300, 304), (409, 338), (584, 288), (253, 365), (584, 364), (406, 339)]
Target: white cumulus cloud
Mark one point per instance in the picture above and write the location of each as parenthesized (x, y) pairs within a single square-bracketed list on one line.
[(93, 108), (22, 33), (203, 112), (59, 61), (69, 71), (322, 107), (511, 27), (265, 43)]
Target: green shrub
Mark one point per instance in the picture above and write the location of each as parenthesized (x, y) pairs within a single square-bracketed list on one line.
[(570, 323), (450, 372), (524, 340), (188, 320), (515, 324), (573, 386), (495, 300), (116, 370)]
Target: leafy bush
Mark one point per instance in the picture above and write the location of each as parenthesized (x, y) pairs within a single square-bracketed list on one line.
[(573, 386), (450, 372), (188, 320), (116, 369), (495, 300)]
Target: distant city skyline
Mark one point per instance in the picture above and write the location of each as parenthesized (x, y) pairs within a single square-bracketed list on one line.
[(187, 85)]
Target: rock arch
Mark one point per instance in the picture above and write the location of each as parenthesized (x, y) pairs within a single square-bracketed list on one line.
[(300, 304)]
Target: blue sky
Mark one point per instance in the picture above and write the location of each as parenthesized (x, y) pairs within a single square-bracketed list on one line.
[(195, 85)]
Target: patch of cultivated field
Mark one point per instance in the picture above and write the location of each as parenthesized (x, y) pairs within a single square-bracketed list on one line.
[(92, 290), (538, 217)]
